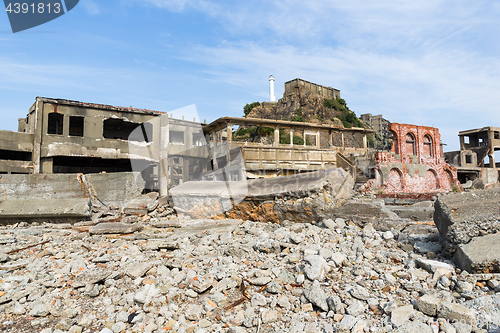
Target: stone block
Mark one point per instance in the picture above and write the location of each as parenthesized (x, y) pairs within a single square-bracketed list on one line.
[(428, 304), (477, 256), (456, 312)]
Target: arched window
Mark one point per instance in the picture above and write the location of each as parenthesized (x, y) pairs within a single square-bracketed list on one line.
[(410, 144), (427, 145)]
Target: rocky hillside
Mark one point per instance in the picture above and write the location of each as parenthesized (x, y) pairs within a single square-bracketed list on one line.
[(305, 107)]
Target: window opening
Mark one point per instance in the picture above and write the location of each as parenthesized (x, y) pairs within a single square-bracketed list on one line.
[(76, 126), (55, 125)]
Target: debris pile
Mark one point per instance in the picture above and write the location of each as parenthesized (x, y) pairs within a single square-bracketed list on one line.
[(168, 275)]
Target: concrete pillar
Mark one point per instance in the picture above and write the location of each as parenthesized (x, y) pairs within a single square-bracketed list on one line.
[(492, 160), (163, 169), (37, 136), (214, 136), (317, 139), (291, 137), (229, 132), (276, 136), (342, 140), (304, 136), (365, 143)]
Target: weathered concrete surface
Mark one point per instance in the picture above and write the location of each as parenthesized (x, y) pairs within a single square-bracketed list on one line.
[(111, 188), (114, 228), (301, 198), (362, 212), (462, 216), (413, 213), (143, 204), (480, 255), (44, 210)]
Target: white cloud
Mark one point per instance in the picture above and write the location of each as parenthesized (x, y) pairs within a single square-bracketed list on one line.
[(91, 7)]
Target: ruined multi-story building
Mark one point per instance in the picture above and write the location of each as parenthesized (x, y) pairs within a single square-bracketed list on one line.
[(63, 136), (476, 146), (415, 163), (383, 137)]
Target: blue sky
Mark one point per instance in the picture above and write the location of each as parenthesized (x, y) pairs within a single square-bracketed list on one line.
[(431, 62)]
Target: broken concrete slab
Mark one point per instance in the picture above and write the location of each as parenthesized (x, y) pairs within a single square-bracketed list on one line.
[(463, 216), (414, 213), (301, 198), (45, 210), (111, 188), (478, 255), (114, 228), (142, 205), (362, 212)]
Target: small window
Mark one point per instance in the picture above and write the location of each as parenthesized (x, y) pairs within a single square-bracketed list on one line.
[(468, 159), (76, 126), (176, 137), (496, 135), (466, 140), (55, 125)]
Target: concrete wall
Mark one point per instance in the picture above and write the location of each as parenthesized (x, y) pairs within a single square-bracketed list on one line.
[(328, 92), (111, 188)]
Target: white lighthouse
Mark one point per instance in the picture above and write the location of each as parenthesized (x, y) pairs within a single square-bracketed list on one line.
[(271, 88)]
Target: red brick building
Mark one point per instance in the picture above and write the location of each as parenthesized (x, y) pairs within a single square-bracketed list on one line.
[(415, 163)]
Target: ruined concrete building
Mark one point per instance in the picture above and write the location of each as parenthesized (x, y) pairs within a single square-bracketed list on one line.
[(283, 147), (63, 136), (383, 137), (415, 163), (303, 85), (476, 146)]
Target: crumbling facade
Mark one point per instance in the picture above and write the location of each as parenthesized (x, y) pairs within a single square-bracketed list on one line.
[(63, 136), (303, 85), (470, 160), (275, 153), (415, 163)]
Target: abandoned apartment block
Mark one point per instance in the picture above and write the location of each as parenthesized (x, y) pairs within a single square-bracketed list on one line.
[(63, 136), (475, 161)]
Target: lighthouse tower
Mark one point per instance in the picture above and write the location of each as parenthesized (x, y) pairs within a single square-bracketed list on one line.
[(271, 88)]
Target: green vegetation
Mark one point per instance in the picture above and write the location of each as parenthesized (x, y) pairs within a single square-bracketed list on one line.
[(252, 132), (297, 140), (347, 117), (456, 189), (371, 142), (298, 116), (247, 108)]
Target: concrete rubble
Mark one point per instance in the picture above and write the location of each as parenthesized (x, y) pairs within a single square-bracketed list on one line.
[(302, 197), (157, 272), (468, 223)]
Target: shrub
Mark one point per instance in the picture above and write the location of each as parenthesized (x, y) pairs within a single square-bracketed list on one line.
[(247, 108), (456, 189)]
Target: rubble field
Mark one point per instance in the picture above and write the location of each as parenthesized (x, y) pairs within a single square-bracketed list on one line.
[(159, 273)]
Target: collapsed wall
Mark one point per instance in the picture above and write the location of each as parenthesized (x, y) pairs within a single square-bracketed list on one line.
[(299, 198), (469, 224), (63, 197)]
